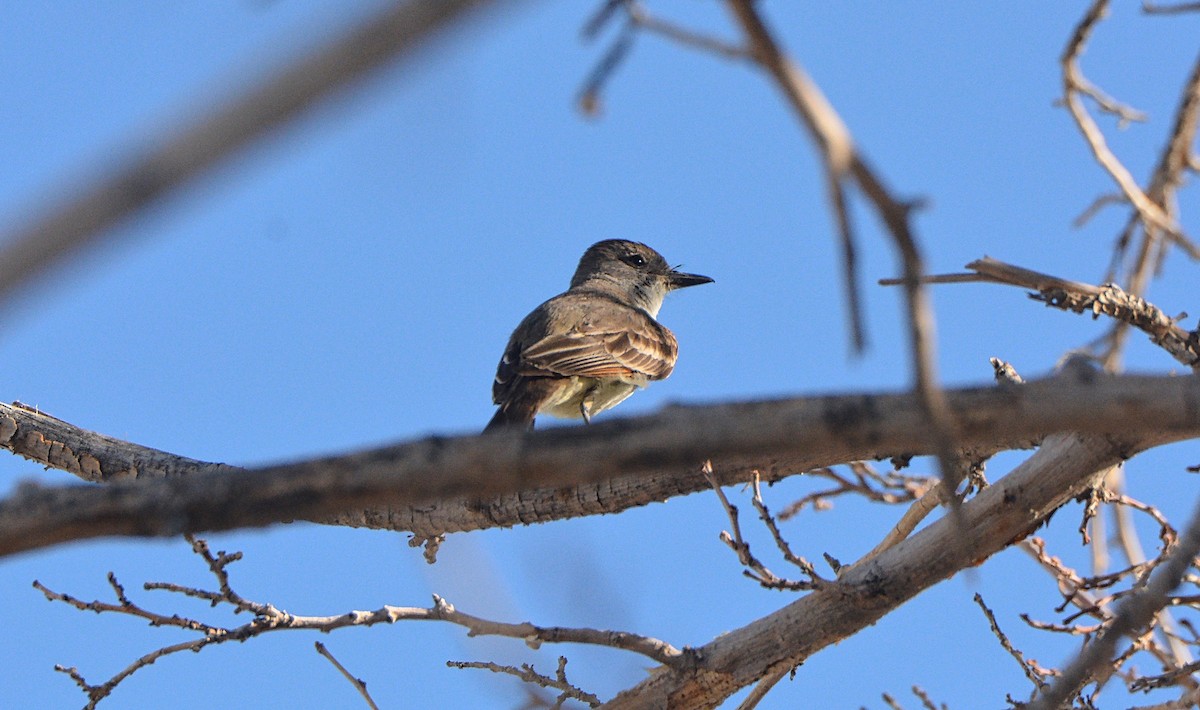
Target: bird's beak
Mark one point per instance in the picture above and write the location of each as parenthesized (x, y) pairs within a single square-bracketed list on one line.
[(678, 279)]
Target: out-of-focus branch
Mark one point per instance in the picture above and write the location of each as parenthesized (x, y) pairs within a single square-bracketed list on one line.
[(1155, 9), (843, 163), (834, 143), (440, 484), (161, 166)]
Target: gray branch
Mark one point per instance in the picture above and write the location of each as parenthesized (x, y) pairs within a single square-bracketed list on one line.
[(449, 484)]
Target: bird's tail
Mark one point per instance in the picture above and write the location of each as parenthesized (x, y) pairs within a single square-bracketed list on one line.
[(509, 417), (519, 410)]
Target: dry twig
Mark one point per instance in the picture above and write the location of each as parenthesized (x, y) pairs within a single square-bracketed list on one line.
[(1109, 300), (359, 684), (1076, 86), (1132, 616), (755, 569), (267, 618), (527, 673), (1031, 672), (891, 488)]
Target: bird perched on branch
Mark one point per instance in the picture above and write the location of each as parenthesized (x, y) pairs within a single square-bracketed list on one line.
[(590, 347)]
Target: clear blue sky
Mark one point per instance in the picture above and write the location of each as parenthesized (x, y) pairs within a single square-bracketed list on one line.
[(351, 281)]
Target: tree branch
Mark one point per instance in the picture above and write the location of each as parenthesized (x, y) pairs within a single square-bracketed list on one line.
[(1000, 515), (161, 165), (843, 162), (439, 484)]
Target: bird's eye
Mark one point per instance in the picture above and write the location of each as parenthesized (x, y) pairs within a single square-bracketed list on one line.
[(635, 260)]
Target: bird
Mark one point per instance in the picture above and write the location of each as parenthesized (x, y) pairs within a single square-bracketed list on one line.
[(590, 347)]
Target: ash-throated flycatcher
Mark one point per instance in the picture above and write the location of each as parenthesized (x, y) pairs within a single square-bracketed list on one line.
[(588, 348)]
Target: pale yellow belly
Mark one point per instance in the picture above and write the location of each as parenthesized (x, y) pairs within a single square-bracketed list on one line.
[(600, 395)]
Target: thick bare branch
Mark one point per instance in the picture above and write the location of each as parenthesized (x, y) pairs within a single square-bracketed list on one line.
[(1001, 514), (438, 485)]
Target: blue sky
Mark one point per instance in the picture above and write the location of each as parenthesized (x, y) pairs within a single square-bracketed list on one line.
[(352, 279)]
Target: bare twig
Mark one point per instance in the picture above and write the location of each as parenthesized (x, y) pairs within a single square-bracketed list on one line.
[(359, 684), (754, 568), (638, 18), (1166, 679), (926, 701), (683, 36), (268, 618), (1155, 9), (890, 488), (1034, 677), (1076, 86), (764, 686), (1132, 615), (1165, 182), (1110, 300), (160, 166), (908, 522), (529, 675)]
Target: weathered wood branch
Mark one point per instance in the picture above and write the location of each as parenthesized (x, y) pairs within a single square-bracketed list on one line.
[(450, 484), (1000, 515)]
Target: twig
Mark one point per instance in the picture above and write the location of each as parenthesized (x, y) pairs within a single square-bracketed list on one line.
[(764, 686), (268, 618), (890, 488), (926, 701), (1110, 300), (1166, 679), (683, 36), (1167, 178), (784, 548), (529, 675), (1038, 681), (161, 165), (638, 18), (1154, 9), (908, 522), (359, 684), (1074, 86), (755, 569), (1132, 615)]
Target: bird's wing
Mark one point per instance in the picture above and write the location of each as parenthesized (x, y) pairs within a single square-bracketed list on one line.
[(630, 345)]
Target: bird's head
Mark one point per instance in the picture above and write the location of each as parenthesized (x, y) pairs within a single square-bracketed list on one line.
[(634, 270)]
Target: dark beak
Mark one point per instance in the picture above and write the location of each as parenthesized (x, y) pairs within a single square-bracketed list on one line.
[(678, 279)]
